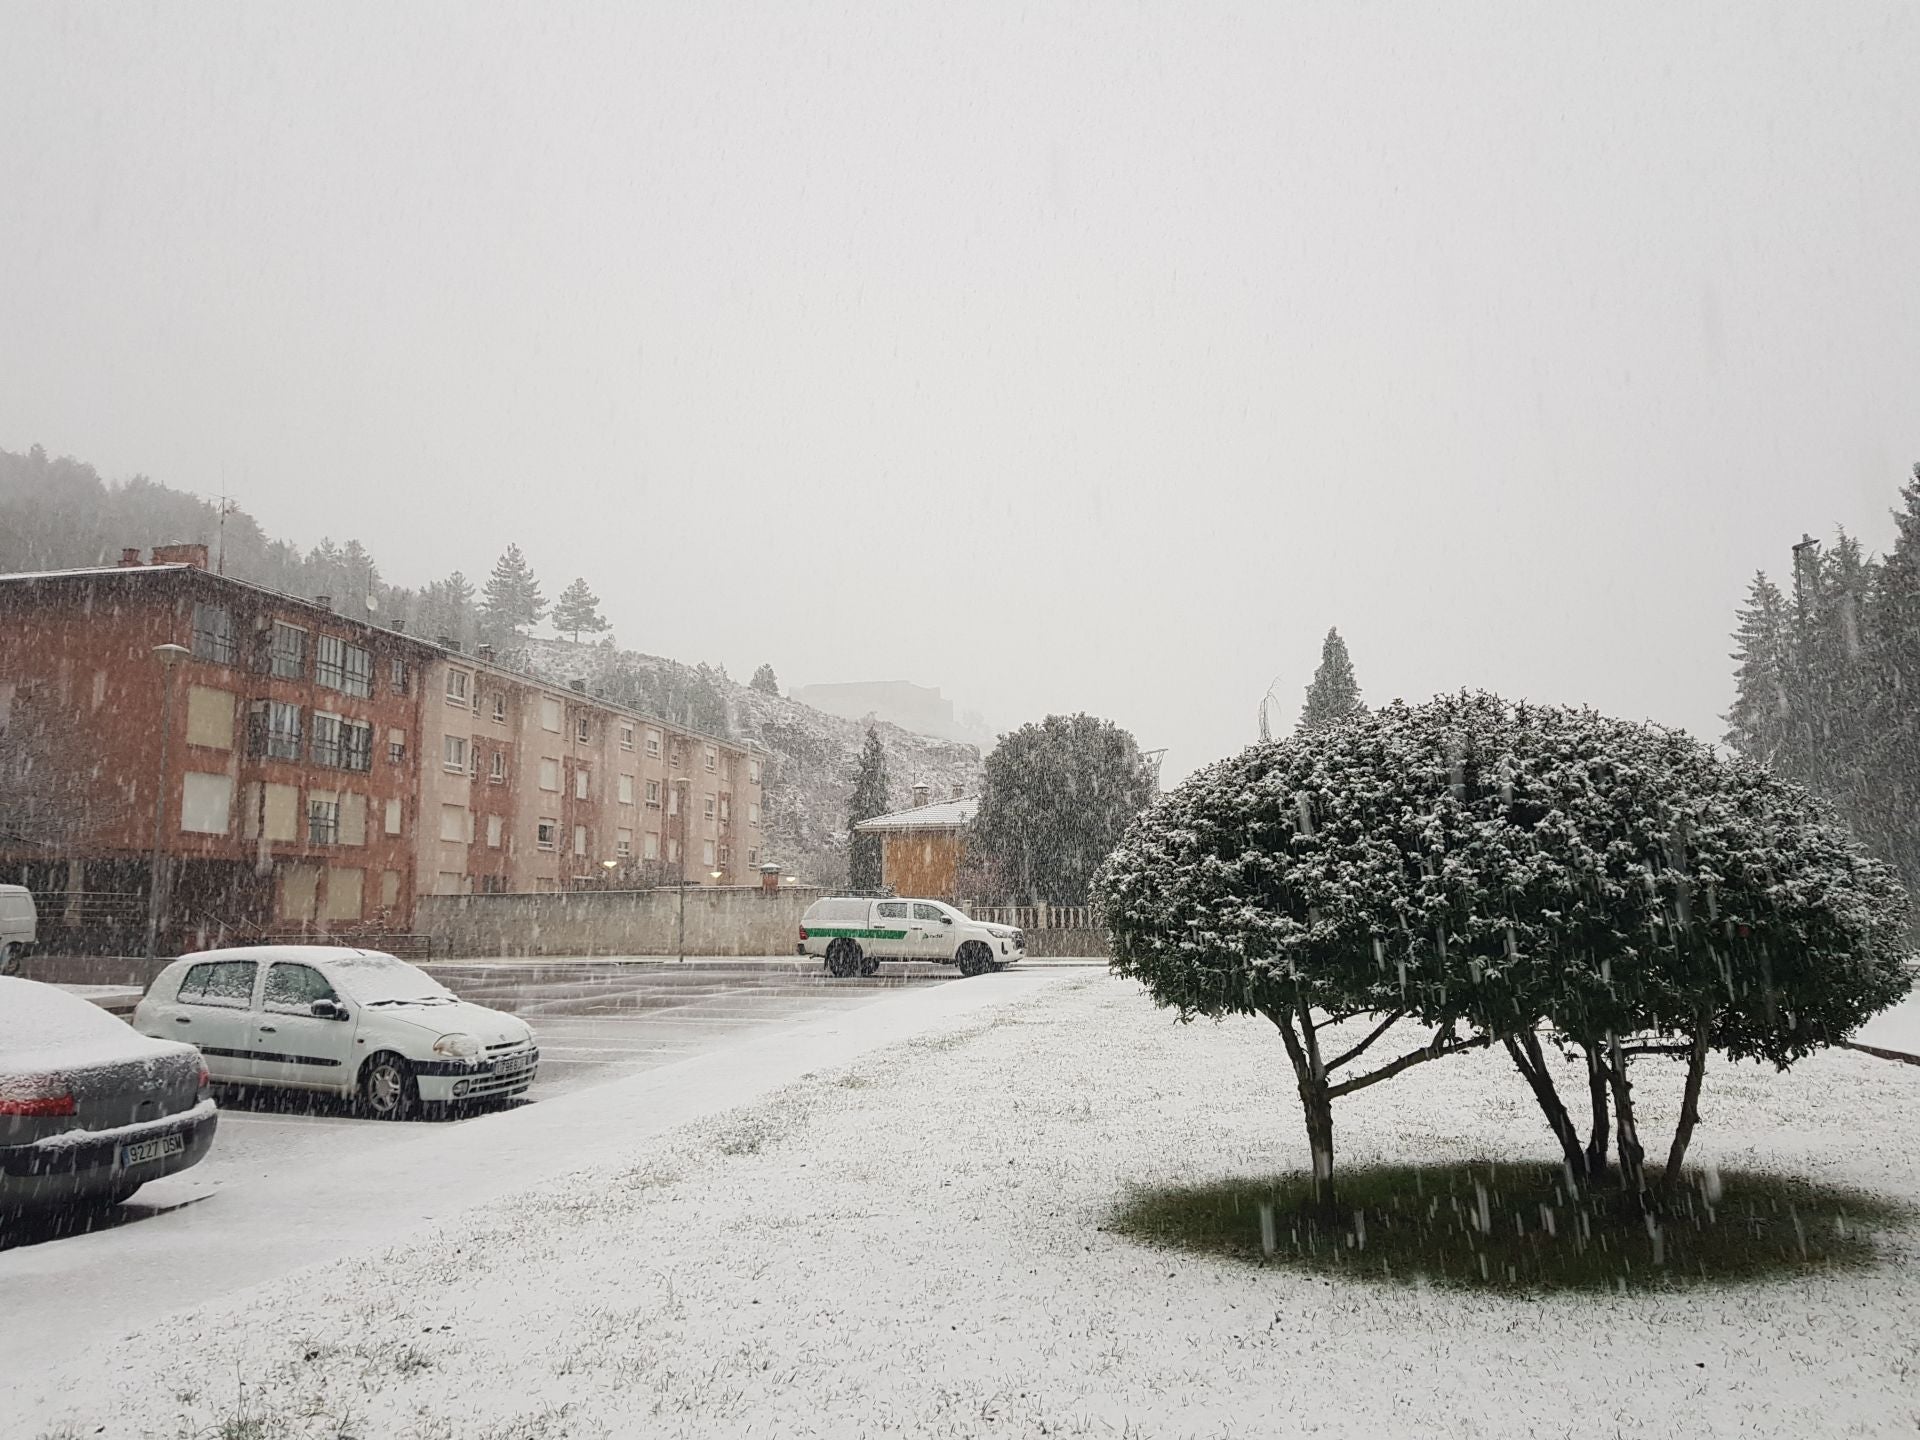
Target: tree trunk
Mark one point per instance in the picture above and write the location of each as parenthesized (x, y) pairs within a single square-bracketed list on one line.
[(1597, 1136), (1531, 1062), (1633, 1173), (1303, 1049), (1689, 1107)]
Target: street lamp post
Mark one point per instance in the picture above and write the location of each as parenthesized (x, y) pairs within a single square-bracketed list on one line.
[(167, 655)]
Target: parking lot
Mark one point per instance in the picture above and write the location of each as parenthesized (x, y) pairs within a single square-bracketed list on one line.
[(595, 1021)]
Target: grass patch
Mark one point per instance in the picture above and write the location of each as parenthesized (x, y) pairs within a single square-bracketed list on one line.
[(1520, 1227)]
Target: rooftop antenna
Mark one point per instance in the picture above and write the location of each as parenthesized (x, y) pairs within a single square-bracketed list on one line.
[(227, 507)]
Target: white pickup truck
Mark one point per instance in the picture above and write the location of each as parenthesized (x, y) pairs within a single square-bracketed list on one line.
[(855, 935)]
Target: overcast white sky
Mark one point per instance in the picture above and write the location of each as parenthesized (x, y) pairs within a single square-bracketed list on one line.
[(1064, 356)]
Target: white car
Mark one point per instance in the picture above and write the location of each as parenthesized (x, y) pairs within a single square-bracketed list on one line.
[(353, 1023), (855, 935)]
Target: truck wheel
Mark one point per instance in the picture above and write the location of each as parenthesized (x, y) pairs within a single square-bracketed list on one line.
[(974, 958), (843, 959)]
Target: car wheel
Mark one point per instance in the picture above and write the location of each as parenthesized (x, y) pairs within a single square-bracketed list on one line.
[(388, 1090), (843, 959), (9, 965)]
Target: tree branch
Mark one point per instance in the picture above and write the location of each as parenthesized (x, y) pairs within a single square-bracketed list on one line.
[(1435, 1049), (1359, 1049)]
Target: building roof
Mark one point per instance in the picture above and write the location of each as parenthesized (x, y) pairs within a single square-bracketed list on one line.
[(944, 815)]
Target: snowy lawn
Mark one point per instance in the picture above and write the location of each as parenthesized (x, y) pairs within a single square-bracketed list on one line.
[(915, 1246)]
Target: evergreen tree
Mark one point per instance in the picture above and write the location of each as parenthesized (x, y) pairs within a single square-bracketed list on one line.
[(1892, 758), (513, 602), (764, 681), (1058, 797), (1758, 722), (1334, 693), (578, 609), (869, 798)]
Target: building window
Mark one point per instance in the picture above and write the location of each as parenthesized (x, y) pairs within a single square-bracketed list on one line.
[(673, 801), (581, 781), (650, 846), (753, 857), (396, 747), (726, 809), (623, 844), (393, 817), (676, 754), (626, 789), (653, 743), (546, 834), (753, 771), (581, 732), (499, 707), (206, 803), (341, 744), (579, 839), (323, 820), (626, 736), (343, 667), (213, 633), (706, 853), (275, 730), (550, 714), (495, 827), (454, 756), (709, 808), (459, 685), (673, 851), (549, 773), (653, 792), (453, 823), (753, 812), (398, 676), (287, 652), (498, 773), (713, 758)]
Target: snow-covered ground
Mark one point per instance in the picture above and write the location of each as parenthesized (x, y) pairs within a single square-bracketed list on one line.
[(911, 1243), (1895, 1029)]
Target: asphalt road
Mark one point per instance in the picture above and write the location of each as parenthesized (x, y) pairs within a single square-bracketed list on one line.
[(595, 1021)]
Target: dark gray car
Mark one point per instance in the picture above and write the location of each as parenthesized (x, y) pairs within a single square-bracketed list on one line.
[(89, 1110)]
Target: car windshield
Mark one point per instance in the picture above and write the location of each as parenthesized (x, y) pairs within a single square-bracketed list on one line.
[(383, 980)]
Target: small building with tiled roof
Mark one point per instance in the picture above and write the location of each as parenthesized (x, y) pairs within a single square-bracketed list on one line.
[(921, 847)]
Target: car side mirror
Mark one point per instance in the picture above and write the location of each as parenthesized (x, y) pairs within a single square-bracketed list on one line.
[(329, 1009), (946, 919)]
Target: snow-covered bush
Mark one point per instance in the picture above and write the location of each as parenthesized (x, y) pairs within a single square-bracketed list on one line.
[(1493, 870)]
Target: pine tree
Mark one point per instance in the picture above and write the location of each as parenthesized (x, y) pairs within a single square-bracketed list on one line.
[(869, 798), (1892, 822), (513, 601), (764, 681), (1758, 722), (578, 609), (1334, 694)]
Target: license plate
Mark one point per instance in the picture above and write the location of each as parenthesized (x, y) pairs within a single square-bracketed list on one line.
[(143, 1152), (513, 1064)]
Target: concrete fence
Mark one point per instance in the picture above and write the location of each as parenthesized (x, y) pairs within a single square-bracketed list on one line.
[(730, 920)]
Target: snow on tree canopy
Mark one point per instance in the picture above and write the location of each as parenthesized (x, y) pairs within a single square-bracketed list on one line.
[(1507, 865)]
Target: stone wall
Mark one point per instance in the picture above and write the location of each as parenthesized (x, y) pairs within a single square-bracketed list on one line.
[(721, 920)]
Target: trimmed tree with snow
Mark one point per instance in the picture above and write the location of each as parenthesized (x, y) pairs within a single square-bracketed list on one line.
[(1498, 873), (1334, 693)]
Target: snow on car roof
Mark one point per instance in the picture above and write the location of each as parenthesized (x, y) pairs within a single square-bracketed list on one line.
[(333, 953), (40, 1022)]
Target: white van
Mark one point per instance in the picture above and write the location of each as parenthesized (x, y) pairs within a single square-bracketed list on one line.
[(18, 926), (855, 935)]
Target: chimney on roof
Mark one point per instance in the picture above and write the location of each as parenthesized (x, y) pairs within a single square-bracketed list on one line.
[(485, 652), (194, 555), (920, 793), (325, 602), (129, 556), (579, 687), (959, 792), (446, 642)]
